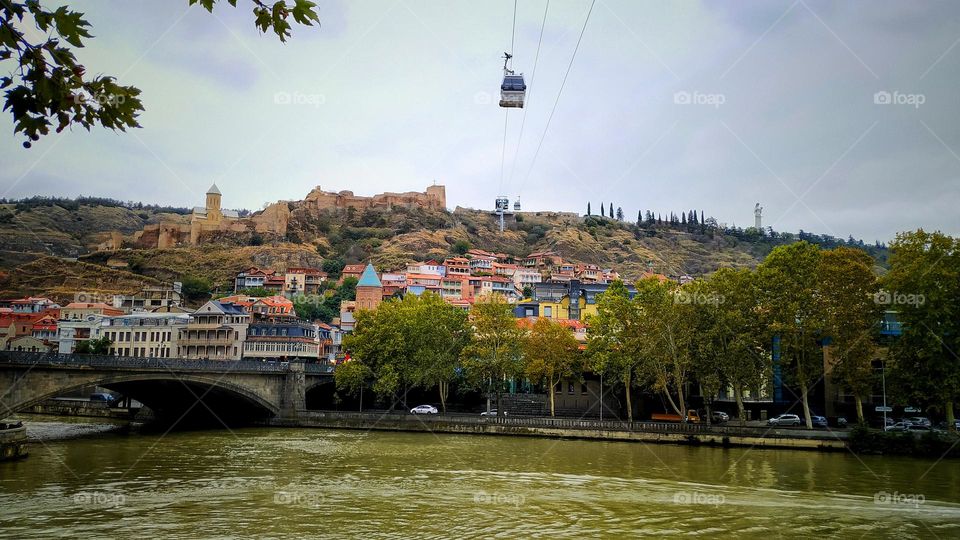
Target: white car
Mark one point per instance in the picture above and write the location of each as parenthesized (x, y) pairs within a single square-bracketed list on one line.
[(784, 420), (719, 416), (424, 409), (491, 412)]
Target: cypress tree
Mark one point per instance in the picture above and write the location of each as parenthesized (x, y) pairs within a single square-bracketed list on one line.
[(611, 209), (602, 210), (588, 208)]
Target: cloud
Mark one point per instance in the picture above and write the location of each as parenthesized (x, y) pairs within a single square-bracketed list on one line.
[(389, 101)]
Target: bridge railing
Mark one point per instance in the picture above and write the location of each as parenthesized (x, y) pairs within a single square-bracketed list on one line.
[(166, 364)]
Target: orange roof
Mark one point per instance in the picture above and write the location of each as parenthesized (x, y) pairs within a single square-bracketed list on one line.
[(276, 300), (652, 275)]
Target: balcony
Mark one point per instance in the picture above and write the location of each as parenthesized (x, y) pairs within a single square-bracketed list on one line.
[(206, 342)]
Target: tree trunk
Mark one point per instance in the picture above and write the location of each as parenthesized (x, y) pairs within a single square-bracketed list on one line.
[(806, 405), (673, 404), (683, 404), (951, 418), (741, 412), (629, 401), (553, 386), (443, 395), (859, 402), (706, 405)]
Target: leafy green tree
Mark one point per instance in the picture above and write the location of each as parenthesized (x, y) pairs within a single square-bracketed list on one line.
[(256, 292), (614, 342), (460, 247), (93, 346), (923, 286), (379, 340), (439, 332), (619, 214), (666, 325), (848, 302), (730, 336), (494, 355), (550, 355), (195, 288), (333, 267), (48, 87), (789, 281), (528, 292), (351, 377), (348, 289), (410, 343), (317, 307)]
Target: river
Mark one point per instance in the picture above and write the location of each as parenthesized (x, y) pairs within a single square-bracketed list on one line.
[(295, 483)]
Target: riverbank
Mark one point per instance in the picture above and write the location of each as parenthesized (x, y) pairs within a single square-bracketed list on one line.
[(649, 432)]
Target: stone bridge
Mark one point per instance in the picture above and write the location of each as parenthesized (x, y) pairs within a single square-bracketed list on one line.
[(183, 391)]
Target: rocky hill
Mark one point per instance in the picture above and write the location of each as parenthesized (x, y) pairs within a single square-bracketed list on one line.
[(32, 235)]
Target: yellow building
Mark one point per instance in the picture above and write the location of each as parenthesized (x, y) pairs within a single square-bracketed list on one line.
[(561, 309)]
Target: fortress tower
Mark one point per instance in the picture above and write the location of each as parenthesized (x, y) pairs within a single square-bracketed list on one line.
[(438, 196)]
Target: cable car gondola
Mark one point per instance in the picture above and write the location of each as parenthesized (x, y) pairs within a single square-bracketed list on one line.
[(513, 90)]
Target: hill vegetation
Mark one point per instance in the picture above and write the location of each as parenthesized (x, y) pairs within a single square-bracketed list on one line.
[(48, 227)]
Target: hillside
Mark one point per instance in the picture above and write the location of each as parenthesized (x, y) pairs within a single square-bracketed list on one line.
[(31, 235), (62, 280)]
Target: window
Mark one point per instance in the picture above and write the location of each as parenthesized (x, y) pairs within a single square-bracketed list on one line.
[(583, 389), (570, 388), (548, 311)]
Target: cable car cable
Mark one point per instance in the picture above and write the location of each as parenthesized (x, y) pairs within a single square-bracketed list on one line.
[(503, 152), (559, 93), (513, 35), (506, 118), (523, 121)]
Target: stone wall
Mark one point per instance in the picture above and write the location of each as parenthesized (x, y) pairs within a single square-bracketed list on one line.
[(434, 198)]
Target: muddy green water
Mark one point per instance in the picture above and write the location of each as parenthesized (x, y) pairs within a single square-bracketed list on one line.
[(296, 483)]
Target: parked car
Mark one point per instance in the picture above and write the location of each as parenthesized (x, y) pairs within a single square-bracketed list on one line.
[(719, 417), (818, 421), (424, 409), (784, 420), (899, 426), (919, 421), (102, 397), (491, 412), (842, 421)]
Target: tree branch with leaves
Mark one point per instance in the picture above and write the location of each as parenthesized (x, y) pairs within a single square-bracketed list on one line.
[(47, 88)]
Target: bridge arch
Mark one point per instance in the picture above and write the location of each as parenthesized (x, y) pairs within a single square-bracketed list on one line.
[(188, 399)]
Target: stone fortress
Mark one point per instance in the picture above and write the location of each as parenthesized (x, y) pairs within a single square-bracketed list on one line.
[(435, 198), (211, 219)]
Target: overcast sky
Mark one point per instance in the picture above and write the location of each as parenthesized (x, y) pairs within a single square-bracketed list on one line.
[(668, 106)]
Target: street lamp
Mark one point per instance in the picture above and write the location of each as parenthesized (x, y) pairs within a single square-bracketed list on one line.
[(883, 379)]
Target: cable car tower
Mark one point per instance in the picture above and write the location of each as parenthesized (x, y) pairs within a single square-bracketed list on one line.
[(502, 207), (513, 90)]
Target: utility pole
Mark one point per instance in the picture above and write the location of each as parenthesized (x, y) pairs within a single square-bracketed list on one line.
[(883, 378)]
